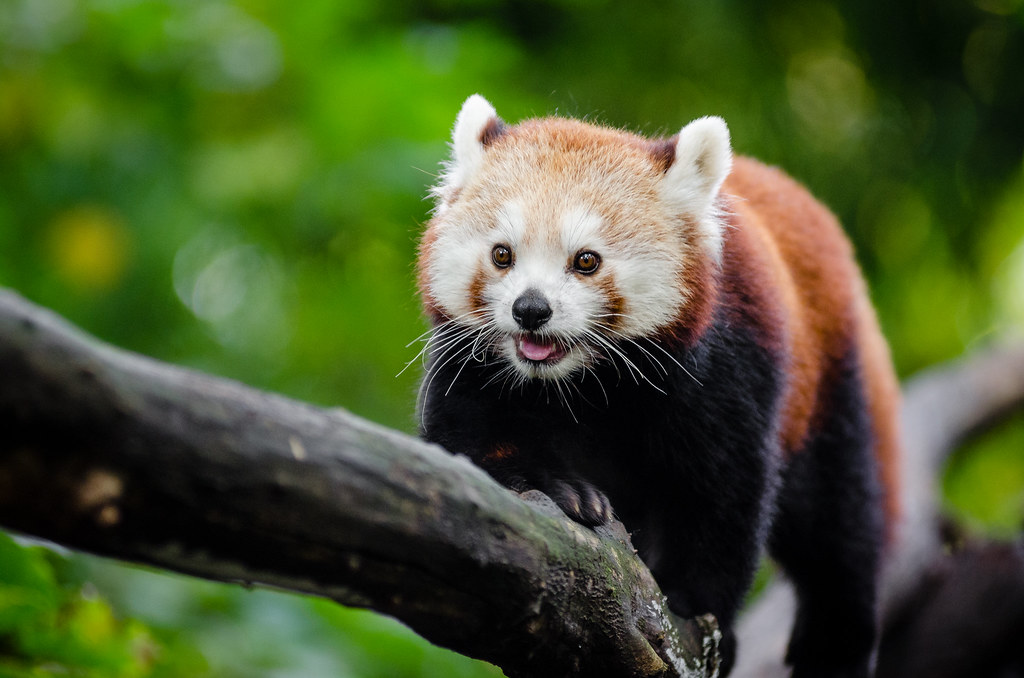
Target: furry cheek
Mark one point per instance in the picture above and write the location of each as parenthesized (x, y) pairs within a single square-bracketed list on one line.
[(456, 276), (594, 305), (644, 293)]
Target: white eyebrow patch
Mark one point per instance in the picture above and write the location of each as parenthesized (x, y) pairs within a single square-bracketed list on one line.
[(580, 228), (510, 222)]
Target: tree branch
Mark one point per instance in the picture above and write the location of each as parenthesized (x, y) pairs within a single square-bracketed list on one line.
[(117, 454), (123, 456)]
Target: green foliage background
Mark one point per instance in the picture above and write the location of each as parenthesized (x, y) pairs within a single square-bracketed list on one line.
[(238, 187)]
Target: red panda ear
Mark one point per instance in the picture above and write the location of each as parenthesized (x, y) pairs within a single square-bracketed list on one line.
[(476, 126), (701, 162)]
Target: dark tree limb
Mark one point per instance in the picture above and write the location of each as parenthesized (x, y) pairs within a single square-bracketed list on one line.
[(116, 454), (120, 455)]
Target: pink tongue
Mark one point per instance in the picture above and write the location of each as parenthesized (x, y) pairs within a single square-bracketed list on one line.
[(534, 351)]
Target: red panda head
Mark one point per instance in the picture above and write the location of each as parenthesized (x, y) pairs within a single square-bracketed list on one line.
[(554, 240)]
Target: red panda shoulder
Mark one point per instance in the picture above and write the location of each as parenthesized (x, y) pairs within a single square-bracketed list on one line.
[(797, 267)]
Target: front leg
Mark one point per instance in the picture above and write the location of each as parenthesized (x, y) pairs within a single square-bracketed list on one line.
[(464, 423), (577, 498), (708, 566), (704, 540)]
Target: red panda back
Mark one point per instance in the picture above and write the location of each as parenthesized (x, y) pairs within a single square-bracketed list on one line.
[(824, 306)]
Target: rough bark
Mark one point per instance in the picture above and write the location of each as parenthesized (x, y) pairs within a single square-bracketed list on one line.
[(109, 452), (116, 454)]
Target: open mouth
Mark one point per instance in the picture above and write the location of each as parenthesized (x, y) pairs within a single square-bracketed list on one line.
[(539, 350)]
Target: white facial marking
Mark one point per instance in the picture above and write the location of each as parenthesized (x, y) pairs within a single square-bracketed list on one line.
[(510, 223), (580, 228)]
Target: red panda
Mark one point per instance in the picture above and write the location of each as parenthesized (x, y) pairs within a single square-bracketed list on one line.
[(655, 328)]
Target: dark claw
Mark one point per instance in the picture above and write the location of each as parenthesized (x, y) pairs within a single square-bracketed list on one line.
[(581, 501)]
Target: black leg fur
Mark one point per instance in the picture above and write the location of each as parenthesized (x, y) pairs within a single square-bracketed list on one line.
[(828, 537)]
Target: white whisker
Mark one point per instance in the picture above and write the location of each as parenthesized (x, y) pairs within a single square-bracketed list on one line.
[(649, 355), (633, 368), (673, 359), (564, 400), (438, 333), (587, 370)]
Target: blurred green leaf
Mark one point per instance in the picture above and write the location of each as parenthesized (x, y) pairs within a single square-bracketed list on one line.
[(54, 627), (984, 483)]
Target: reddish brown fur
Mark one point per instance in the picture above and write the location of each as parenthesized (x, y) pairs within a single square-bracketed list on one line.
[(501, 452), (663, 151), (800, 251), (491, 131), (476, 291), (702, 281), (553, 147), (614, 303), (884, 400), (430, 306)]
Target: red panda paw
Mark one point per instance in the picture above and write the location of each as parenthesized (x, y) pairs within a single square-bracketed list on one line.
[(581, 501)]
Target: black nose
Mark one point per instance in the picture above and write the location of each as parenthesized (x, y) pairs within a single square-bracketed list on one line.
[(531, 310)]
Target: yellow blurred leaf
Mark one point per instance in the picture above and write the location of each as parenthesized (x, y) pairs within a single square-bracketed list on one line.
[(88, 245)]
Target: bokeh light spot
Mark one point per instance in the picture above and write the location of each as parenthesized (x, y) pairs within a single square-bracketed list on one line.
[(830, 93), (89, 246), (238, 289)]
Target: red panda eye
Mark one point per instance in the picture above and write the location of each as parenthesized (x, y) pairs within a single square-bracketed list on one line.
[(586, 262), (501, 256)]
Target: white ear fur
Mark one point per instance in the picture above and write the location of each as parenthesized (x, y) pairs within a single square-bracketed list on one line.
[(703, 159), (467, 147)]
